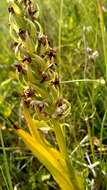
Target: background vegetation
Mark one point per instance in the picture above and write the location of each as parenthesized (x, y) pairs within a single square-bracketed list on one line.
[(76, 30)]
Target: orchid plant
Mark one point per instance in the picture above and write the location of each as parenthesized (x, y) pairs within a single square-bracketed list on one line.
[(43, 105)]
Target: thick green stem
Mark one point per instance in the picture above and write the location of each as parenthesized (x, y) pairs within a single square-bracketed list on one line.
[(63, 149), (60, 138)]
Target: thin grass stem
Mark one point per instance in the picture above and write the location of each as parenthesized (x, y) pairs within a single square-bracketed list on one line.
[(4, 178), (103, 33), (101, 81), (90, 139), (101, 134), (6, 163)]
